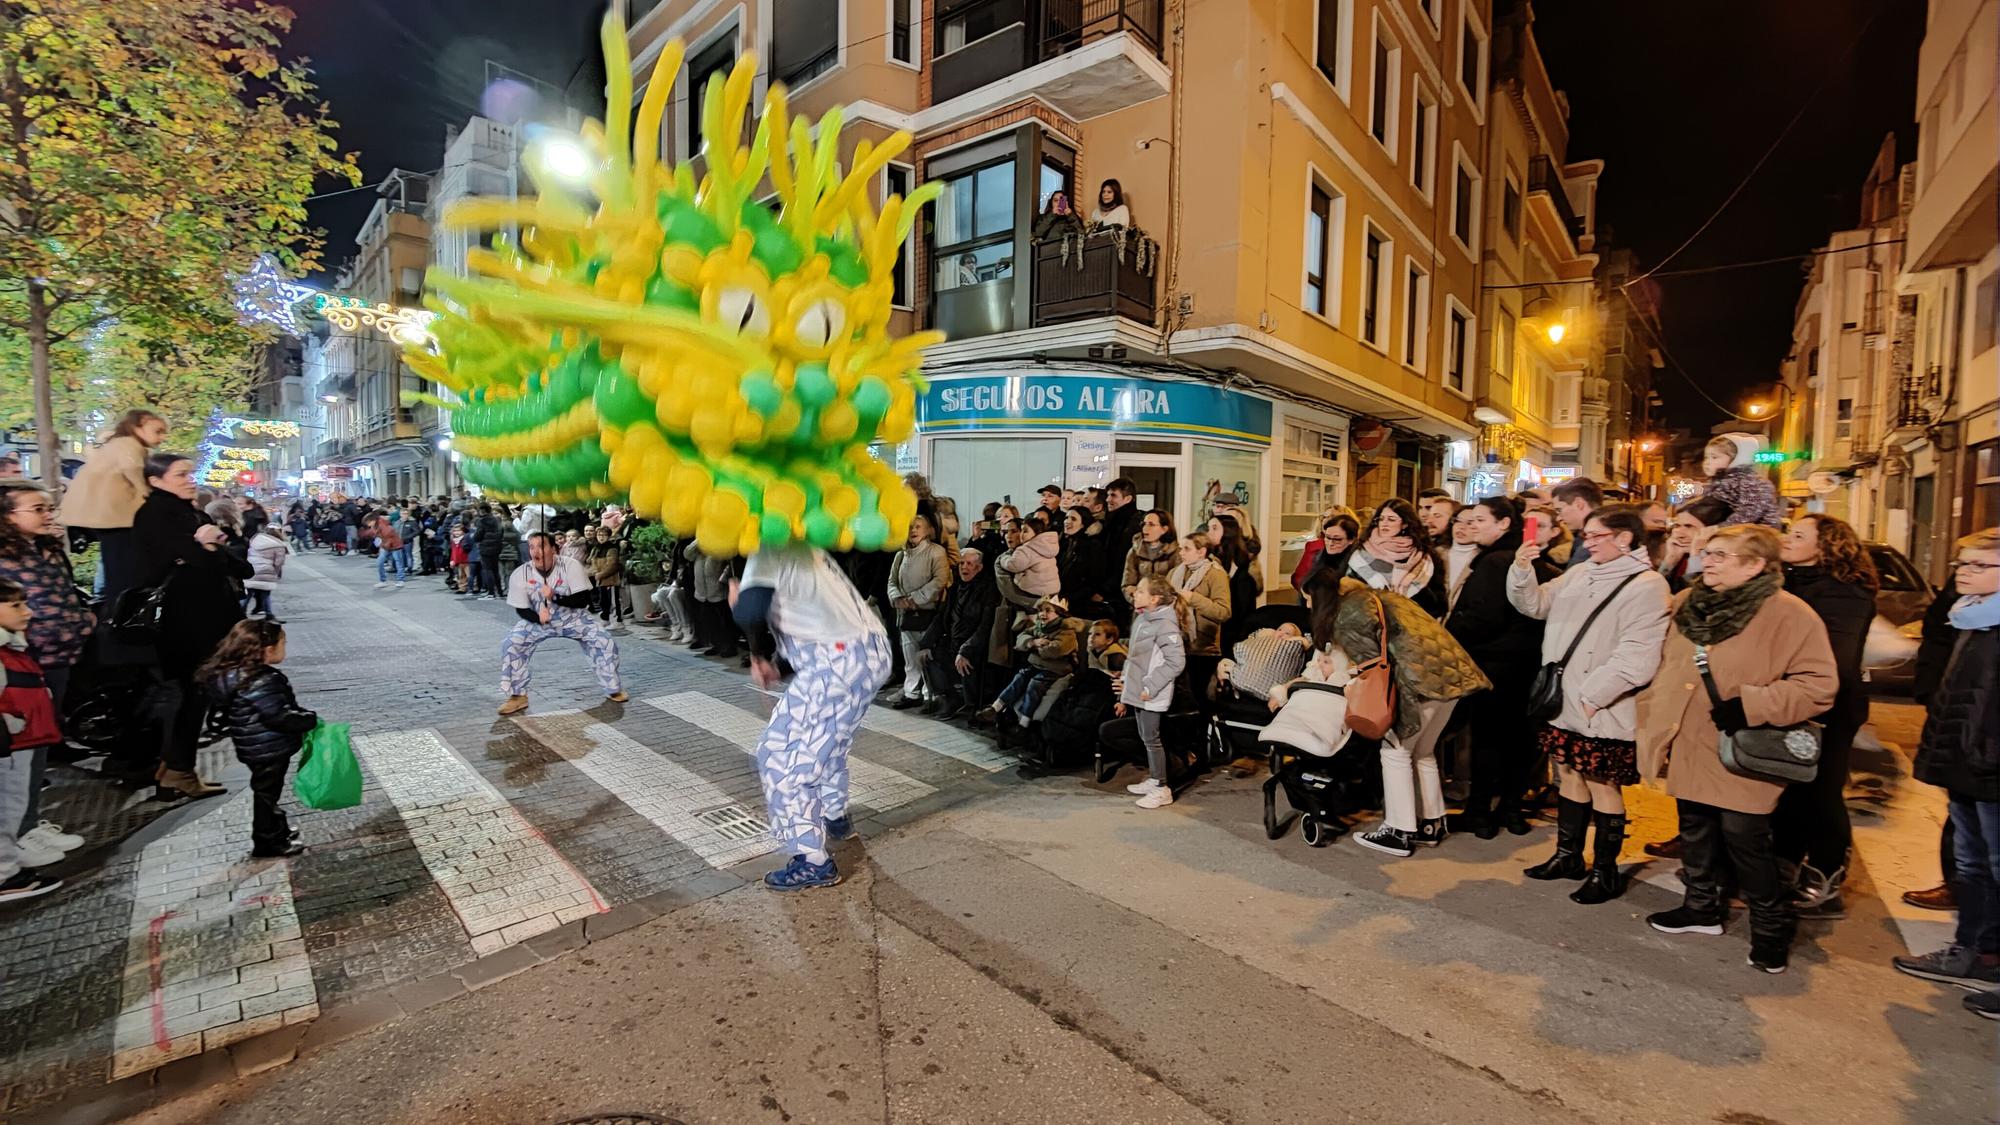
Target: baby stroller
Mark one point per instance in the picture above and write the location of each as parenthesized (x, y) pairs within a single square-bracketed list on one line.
[(1241, 713), (1322, 765)]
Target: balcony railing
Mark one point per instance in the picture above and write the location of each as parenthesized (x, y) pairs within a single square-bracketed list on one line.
[(1098, 279), (979, 42), (1543, 176), (335, 448), (1914, 391), (1069, 24)]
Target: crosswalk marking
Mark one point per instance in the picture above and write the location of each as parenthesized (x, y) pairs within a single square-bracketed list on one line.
[(876, 787), (939, 738), (214, 953), (652, 785), (505, 881)]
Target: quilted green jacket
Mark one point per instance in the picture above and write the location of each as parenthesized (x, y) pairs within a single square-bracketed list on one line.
[(1428, 662)]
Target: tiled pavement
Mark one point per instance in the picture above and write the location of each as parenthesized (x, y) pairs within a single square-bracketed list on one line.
[(475, 833)]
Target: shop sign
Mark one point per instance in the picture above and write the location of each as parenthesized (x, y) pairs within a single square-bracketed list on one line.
[(1089, 462), (336, 472), (1091, 402)]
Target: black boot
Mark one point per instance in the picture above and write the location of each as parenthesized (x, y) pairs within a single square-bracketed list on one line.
[(1604, 882), (1572, 821)]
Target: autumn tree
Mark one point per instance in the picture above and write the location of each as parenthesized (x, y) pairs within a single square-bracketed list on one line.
[(149, 153)]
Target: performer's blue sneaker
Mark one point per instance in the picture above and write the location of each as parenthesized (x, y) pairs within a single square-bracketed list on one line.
[(839, 827), (801, 873)]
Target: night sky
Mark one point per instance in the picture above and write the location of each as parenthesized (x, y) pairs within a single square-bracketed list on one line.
[(1679, 99)]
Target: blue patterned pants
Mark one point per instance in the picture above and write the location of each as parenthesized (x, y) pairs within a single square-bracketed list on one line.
[(803, 758), (570, 624)]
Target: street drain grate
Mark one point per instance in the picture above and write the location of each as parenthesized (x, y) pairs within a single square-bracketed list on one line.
[(733, 822)]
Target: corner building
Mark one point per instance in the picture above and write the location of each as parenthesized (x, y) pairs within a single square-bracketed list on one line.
[(1294, 315)]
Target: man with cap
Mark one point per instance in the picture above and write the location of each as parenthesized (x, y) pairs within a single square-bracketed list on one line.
[(1052, 498)]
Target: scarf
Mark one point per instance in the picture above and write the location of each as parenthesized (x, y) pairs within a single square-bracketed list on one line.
[(1191, 575), (1710, 616), (1976, 611)]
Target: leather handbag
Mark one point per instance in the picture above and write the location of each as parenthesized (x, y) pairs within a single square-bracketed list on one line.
[(1782, 755), (1545, 693), (1371, 694), (137, 614)]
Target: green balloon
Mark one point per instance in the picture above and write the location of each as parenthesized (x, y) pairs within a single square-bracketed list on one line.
[(813, 385), (760, 391), (774, 530), (684, 223), (662, 291), (871, 530), (619, 399), (845, 259), (871, 401), (822, 530)]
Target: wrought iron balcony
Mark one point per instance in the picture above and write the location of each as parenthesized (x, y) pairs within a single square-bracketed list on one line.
[(1545, 177)]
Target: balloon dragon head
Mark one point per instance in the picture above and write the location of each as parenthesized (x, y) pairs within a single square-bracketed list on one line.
[(673, 340)]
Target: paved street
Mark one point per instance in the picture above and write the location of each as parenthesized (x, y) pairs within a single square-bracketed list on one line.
[(533, 918)]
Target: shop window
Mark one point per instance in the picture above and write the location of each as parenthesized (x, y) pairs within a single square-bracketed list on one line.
[(975, 227), (805, 40), (978, 471)]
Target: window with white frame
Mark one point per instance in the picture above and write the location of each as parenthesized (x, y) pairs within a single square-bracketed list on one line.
[(712, 60), (1472, 56), (1322, 260), (1465, 202), (1332, 41), (898, 179), (1416, 314), (906, 18), (1375, 281), (1503, 345), (805, 40), (1385, 75), (1432, 9), (1423, 139), (1460, 333)]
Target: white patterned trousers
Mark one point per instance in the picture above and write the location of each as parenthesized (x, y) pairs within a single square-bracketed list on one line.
[(570, 624), (803, 758)]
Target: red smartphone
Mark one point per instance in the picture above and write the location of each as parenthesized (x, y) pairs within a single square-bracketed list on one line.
[(1530, 528)]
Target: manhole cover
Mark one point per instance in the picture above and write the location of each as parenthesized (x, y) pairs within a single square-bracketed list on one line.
[(622, 1119), (733, 822)]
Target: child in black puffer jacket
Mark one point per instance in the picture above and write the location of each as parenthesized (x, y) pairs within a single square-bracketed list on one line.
[(255, 707)]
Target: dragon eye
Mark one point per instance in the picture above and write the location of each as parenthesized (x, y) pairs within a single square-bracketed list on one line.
[(741, 309), (821, 323)]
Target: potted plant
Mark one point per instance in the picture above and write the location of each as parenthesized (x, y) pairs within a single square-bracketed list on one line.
[(645, 562)]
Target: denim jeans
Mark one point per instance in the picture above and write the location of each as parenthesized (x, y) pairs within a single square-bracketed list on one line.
[(391, 560), (1024, 691), (1976, 852)]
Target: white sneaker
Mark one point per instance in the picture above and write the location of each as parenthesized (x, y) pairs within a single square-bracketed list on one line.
[(52, 836), (399, 585), (381, 585), (1158, 799), (1140, 789), (38, 855)]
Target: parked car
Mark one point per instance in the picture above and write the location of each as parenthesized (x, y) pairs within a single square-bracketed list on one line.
[(1890, 660)]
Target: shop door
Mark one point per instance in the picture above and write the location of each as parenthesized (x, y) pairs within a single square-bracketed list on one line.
[(1155, 484)]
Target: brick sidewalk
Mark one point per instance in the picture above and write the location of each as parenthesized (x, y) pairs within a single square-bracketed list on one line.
[(475, 833)]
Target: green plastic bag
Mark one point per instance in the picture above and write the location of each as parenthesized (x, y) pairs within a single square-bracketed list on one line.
[(329, 778)]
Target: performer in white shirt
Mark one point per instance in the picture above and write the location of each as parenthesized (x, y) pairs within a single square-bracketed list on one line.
[(551, 595)]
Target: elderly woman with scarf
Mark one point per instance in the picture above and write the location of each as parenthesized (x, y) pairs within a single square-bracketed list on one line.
[(1606, 661), (1394, 554), (1768, 654)]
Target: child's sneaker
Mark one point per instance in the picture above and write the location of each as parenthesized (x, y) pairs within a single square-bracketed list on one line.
[(1158, 799), (35, 854), (52, 836), (381, 585), (26, 884), (1140, 789), (801, 874), (839, 827)]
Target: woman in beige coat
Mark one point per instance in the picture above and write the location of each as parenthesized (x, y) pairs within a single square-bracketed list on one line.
[(1773, 666), (1153, 553)]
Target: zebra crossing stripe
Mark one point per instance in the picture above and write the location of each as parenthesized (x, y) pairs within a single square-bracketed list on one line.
[(214, 953), (876, 787), (936, 737), (680, 802), (503, 878)]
